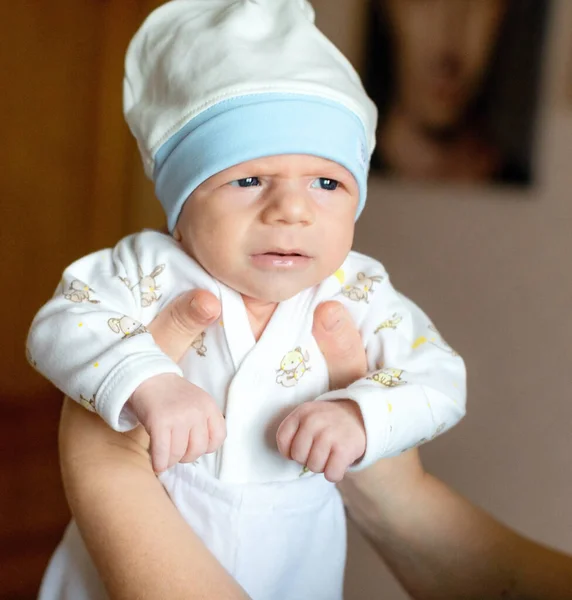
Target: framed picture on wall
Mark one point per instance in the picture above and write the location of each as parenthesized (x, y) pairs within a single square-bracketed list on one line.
[(457, 84)]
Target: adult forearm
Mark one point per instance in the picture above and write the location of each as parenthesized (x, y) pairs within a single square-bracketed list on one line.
[(139, 542), (442, 547)]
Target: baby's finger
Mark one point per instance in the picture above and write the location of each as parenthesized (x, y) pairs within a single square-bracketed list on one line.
[(341, 344), (286, 433), (217, 433), (336, 467), (160, 449), (197, 444), (179, 442), (301, 447), (318, 455)]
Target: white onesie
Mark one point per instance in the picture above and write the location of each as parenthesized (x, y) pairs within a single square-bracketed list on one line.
[(279, 532)]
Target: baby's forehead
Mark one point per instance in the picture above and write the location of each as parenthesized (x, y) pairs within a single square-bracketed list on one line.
[(289, 165)]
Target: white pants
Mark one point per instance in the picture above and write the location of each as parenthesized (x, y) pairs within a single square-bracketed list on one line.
[(280, 541)]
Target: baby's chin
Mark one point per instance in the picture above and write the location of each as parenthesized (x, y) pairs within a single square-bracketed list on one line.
[(272, 296), (275, 290)]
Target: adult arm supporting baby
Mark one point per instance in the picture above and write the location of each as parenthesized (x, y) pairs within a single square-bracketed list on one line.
[(442, 547), (140, 544), (437, 544)]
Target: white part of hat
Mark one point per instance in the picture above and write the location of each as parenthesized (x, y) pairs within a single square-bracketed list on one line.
[(192, 54)]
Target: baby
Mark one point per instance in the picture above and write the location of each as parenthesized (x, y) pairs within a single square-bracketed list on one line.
[(257, 134)]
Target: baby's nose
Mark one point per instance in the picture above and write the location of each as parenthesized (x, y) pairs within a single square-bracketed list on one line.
[(288, 206)]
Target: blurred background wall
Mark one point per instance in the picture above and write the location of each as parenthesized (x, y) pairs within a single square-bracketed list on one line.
[(491, 265)]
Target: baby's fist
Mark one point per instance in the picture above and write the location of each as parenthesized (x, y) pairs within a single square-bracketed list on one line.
[(182, 420), (324, 436)]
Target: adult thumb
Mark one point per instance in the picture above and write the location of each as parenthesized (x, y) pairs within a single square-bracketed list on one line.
[(340, 343), (181, 322)]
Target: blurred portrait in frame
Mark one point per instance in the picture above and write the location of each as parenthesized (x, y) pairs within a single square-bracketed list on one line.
[(457, 84)]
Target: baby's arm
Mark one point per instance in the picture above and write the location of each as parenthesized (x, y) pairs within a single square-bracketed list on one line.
[(415, 388), (90, 341)]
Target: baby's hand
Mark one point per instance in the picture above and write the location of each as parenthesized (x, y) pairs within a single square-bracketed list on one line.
[(182, 420), (324, 436)]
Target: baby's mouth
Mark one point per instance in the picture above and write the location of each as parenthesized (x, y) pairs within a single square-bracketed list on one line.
[(281, 258), (284, 253)]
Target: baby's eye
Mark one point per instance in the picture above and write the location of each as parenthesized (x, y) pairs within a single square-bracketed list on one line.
[(246, 182), (324, 183)]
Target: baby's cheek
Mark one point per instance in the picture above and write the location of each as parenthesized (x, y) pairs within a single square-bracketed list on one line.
[(342, 233)]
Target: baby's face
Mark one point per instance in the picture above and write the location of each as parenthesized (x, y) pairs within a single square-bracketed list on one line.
[(271, 227)]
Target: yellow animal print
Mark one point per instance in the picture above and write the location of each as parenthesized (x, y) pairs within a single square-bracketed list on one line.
[(390, 323), (292, 367), (79, 292), (388, 377), (361, 290), (126, 326)]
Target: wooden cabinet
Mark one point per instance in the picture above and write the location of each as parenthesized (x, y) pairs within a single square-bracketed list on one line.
[(71, 182)]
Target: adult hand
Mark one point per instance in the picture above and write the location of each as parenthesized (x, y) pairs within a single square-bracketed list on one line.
[(340, 343), (140, 543)]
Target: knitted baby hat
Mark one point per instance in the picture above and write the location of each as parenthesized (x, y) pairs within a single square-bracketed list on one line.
[(213, 83)]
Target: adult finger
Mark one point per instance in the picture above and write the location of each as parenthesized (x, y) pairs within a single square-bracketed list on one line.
[(340, 343), (181, 322)]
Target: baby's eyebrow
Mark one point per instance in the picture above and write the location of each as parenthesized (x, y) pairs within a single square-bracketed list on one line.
[(324, 173)]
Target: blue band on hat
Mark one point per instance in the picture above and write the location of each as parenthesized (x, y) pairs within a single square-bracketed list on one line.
[(249, 127)]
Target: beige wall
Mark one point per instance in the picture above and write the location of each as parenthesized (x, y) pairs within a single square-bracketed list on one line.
[(494, 269)]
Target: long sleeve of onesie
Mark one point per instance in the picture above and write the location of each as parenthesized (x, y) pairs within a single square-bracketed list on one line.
[(416, 385), (90, 339)]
